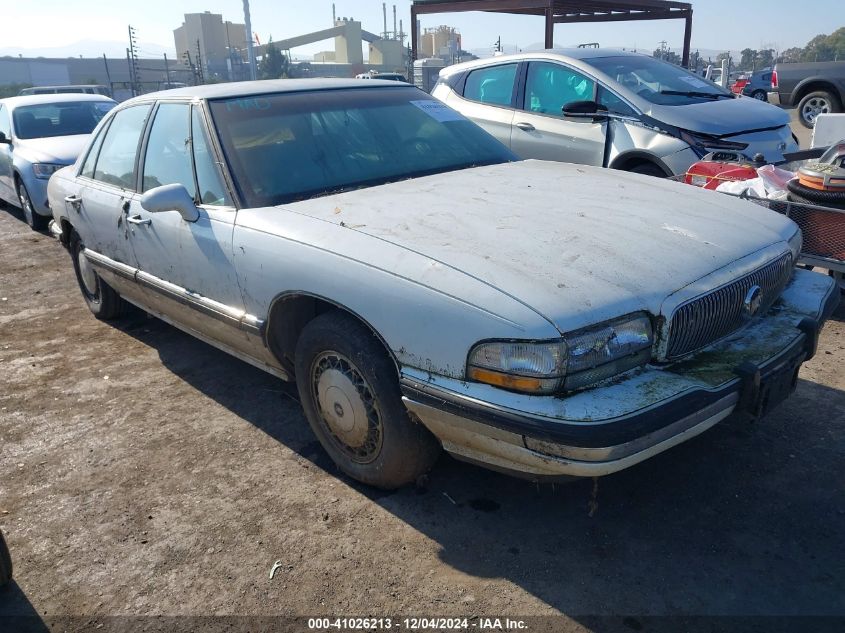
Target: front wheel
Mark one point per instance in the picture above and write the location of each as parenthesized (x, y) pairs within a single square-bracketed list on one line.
[(647, 169), (814, 104), (36, 221), (348, 388), (103, 301), (5, 562)]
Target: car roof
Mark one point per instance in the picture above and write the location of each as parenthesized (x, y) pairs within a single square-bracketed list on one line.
[(62, 97), (551, 53), (265, 86)]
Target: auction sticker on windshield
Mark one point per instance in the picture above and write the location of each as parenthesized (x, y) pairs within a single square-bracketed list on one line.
[(438, 111)]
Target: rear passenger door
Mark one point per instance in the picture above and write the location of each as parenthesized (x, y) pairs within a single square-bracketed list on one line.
[(540, 129), (105, 187), (489, 99)]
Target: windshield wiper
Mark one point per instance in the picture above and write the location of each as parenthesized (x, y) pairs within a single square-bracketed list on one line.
[(692, 93)]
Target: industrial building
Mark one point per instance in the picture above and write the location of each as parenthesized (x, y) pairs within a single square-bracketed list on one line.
[(217, 46)]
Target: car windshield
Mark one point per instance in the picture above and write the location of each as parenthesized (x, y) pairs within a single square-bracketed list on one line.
[(658, 81), (293, 146), (59, 119)]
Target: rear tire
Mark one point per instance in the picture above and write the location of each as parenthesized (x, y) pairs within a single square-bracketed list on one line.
[(103, 301), (5, 562), (814, 104), (760, 95), (35, 220), (350, 393)]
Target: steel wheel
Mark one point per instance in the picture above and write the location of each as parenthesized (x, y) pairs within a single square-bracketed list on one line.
[(347, 407), (350, 394)]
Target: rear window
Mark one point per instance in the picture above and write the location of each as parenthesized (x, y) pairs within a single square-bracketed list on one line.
[(59, 119), (294, 146)]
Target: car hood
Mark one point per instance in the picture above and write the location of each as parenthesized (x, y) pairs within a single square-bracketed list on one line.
[(577, 244), (61, 150), (720, 118)]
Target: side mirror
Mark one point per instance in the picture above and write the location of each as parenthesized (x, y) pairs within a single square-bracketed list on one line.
[(585, 110), (171, 198), (4, 139)]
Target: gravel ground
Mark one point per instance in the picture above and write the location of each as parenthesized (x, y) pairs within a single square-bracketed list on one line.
[(143, 472)]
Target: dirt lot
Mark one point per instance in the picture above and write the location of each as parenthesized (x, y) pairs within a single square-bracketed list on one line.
[(145, 473)]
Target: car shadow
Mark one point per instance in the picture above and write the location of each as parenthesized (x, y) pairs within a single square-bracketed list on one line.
[(17, 613), (747, 519)]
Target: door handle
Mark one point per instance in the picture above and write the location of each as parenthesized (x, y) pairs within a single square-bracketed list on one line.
[(525, 127), (136, 219), (74, 200)]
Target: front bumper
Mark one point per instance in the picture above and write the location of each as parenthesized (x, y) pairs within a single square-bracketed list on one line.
[(635, 416)]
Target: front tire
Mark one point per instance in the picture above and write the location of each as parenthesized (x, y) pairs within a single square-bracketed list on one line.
[(814, 104), (647, 169), (5, 562), (103, 301), (35, 220), (348, 388)]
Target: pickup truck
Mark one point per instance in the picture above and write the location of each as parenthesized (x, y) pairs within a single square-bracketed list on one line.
[(816, 88)]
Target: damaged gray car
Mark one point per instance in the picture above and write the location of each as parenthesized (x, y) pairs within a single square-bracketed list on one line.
[(425, 289)]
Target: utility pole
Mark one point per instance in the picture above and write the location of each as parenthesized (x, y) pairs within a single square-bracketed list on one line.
[(133, 52), (249, 48), (108, 75), (167, 71), (200, 72), (498, 45)]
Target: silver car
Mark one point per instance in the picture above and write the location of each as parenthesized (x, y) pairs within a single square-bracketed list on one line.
[(611, 108), (425, 289), (38, 135)]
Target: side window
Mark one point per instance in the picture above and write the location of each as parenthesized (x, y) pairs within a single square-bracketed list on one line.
[(491, 85), (549, 87), (767, 78), (210, 185), (168, 156), (5, 126), (88, 167), (119, 150), (613, 103)]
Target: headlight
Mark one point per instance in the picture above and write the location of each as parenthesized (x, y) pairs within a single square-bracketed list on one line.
[(607, 350), (45, 170), (578, 360), (795, 244), (519, 365)]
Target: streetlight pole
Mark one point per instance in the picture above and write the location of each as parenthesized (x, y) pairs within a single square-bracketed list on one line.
[(249, 48)]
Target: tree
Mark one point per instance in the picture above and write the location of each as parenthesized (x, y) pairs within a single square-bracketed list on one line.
[(746, 62), (273, 64)]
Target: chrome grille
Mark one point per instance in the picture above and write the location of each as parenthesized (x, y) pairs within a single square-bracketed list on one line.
[(708, 318)]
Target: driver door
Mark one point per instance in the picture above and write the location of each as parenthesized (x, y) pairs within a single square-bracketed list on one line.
[(539, 128), (185, 266)]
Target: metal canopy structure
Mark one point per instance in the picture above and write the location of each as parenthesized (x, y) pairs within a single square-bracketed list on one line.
[(564, 12)]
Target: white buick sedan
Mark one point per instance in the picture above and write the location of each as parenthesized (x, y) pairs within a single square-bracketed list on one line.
[(425, 289)]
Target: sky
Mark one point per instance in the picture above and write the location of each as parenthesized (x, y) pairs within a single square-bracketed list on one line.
[(717, 24)]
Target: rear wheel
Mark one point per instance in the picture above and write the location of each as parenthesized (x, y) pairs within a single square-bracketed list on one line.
[(348, 388), (103, 301), (760, 95), (814, 104), (36, 221)]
